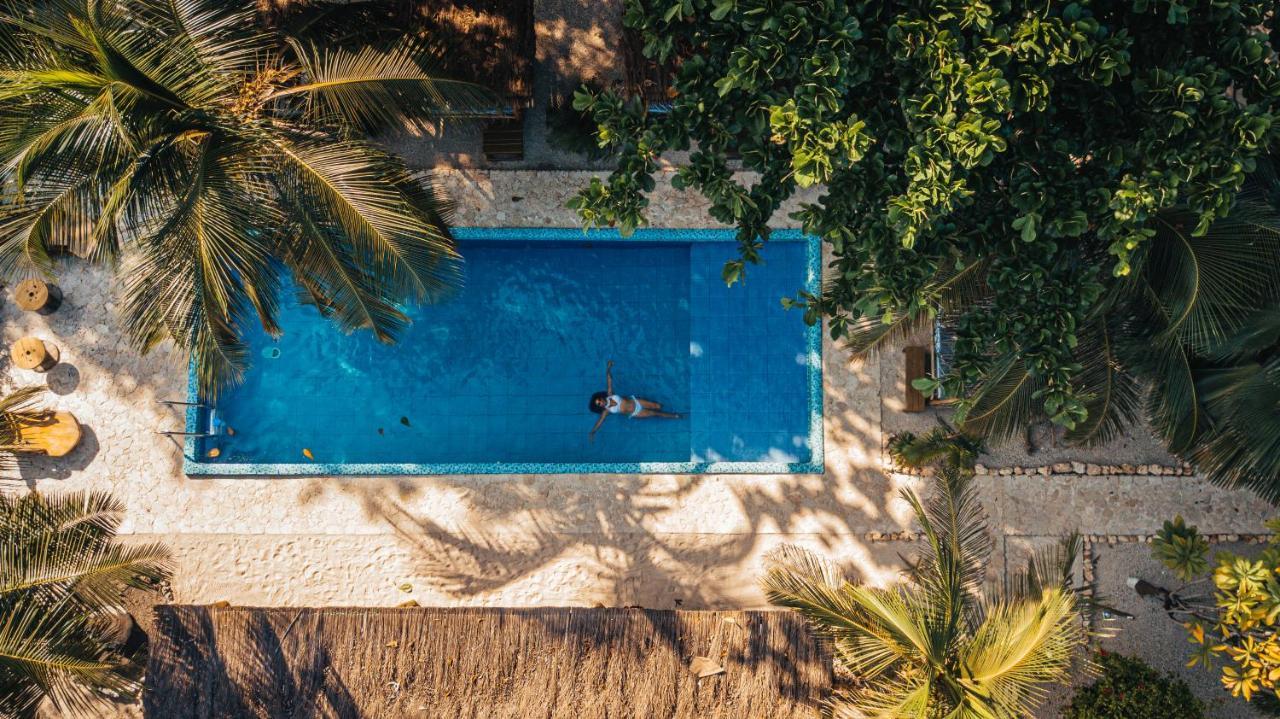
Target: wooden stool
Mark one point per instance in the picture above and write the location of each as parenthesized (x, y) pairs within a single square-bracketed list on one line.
[(35, 354), (37, 296)]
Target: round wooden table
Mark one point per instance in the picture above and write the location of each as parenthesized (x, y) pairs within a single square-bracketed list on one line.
[(35, 354), (35, 295)]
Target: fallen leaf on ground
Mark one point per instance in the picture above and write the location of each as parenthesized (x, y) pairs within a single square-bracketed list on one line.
[(307, 453), (702, 667)]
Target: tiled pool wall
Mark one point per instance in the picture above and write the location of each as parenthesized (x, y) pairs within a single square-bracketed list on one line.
[(196, 415)]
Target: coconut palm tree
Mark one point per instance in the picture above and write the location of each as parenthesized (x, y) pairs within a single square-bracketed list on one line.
[(940, 644), (1190, 341), (215, 163), (62, 577)]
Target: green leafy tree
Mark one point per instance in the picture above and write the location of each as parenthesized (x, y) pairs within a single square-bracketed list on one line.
[(940, 644), (1129, 688), (1029, 143), (1231, 615), (62, 577), (210, 159)]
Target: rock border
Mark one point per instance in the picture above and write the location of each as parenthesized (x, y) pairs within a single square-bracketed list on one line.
[(1065, 468)]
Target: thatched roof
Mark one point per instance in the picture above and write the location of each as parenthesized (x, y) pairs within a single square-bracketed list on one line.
[(489, 42), (210, 662)]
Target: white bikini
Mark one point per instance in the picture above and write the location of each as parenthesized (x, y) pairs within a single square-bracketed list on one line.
[(613, 403)]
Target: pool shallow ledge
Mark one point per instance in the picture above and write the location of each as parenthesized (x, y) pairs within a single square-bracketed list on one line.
[(195, 414)]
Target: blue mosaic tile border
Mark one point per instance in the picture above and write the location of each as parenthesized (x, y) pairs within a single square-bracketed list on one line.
[(192, 465)]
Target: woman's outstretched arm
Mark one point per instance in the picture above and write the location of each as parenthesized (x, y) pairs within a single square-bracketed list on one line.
[(600, 421), (608, 379)]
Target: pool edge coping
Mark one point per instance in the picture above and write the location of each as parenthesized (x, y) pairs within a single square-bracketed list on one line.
[(193, 467)]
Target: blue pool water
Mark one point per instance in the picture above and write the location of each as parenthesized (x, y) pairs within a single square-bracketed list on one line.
[(497, 377)]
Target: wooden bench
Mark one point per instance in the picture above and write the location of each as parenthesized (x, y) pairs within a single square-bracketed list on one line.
[(503, 139), (917, 363)]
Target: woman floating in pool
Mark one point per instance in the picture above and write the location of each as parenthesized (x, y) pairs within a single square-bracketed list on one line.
[(606, 403)]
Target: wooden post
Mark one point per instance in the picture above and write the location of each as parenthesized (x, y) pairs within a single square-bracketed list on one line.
[(917, 362), (35, 354), (35, 295)]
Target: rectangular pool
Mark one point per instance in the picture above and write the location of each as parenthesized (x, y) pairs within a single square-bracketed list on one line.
[(496, 379)]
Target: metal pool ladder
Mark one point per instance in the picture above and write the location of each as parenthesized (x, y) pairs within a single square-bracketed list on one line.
[(181, 433)]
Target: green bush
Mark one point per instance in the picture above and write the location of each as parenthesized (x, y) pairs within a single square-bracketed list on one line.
[(1130, 689)]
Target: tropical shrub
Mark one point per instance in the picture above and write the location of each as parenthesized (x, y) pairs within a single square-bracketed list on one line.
[(573, 130), (1230, 615), (1190, 342), (941, 644), (1030, 143), (1129, 688), (214, 161), (62, 577)]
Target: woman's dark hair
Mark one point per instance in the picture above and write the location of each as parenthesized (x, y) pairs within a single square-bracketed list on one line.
[(597, 397)]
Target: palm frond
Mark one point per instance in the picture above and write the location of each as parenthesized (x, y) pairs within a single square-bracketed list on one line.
[(346, 183), (1208, 284), (55, 210), (61, 573), (223, 38), (942, 444), (51, 651), (955, 287), (1004, 403), (1173, 404), (1243, 446), (1020, 648), (374, 88), (952, 567), (202, 266), (1258, 335), (871, 630), (327, 269), (1114, 398), (49, 20)]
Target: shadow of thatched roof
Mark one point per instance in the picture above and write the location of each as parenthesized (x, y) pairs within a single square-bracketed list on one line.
[(478, 662)]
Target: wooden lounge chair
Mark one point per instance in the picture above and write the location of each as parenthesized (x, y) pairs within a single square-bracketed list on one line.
[(54, 436), (917, 361)]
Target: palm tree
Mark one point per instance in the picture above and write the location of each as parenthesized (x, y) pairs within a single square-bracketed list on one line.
[(1190, 341), (216, 162), (940, 645), (62, 577)]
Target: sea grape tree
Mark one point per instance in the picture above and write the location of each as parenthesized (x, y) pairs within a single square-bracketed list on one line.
[(1021, 147)]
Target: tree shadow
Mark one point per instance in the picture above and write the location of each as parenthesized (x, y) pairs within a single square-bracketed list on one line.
[(479, 662), (251, 668), (657, 541)]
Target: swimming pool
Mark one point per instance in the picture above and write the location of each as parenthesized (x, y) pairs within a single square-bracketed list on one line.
[(496, 379)]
